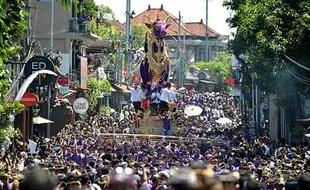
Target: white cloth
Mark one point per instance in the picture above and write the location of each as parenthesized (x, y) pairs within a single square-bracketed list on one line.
[(32, 146), (165, 95), (155, 97), (134, 95), (141, 96)]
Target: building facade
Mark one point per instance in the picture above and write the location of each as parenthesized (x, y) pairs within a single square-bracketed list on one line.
[(72, 32), (192, 35)]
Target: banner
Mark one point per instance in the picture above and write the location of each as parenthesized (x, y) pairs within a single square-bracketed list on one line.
[(64, 67), (83, 73), (32, 146), (234, 62)]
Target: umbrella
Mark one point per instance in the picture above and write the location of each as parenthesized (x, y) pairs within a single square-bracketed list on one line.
[(224, 120), (193, 110), (182, 88), (41, 120)]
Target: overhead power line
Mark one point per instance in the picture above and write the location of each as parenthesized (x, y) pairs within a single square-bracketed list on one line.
[(298, 64)]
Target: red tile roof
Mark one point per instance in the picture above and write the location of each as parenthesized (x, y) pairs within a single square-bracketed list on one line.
[(200, 29), (119, 26), (187, 29)]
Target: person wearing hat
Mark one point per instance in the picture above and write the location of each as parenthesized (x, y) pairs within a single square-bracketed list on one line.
[(229, 180), (103, 182)]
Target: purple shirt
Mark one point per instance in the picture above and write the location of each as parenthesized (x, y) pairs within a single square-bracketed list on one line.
[(166, 124)]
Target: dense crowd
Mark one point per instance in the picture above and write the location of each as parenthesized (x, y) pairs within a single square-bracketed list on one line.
[(207, 155)]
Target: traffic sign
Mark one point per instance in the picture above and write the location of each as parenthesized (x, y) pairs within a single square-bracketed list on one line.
[(63, 81), (64, 89), (230, 81), (80, 105), (29, 99), (38, 63)]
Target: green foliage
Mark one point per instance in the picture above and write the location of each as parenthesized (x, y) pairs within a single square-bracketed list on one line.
[(266, 31), (108, 13), (105, 32), (66, 4), (138, 35), (220, 67), (12, 26), (105, 110), (91, 8), (286, 95), (104, 28), (95, 89)]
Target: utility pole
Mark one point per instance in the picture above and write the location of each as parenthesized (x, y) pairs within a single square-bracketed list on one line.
[(52, 25), (207, 35), (183, 62), (179, 73), (128, 46), (257, 107), (119, 64), (179, 32), (48, 130)]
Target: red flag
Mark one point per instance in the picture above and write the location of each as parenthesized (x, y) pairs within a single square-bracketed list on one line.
[(230, 81), (125, 72)]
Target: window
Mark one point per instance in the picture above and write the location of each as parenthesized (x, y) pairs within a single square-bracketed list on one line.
[(201, 54)]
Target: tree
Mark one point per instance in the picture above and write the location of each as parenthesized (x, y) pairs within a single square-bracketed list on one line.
[(138, 35), (220, 67), (13, 24), (266, 31), (105, 32), (102, 24), (95, 89)]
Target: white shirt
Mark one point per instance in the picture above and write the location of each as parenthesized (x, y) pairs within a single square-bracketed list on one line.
[(157, 95), (141, 96), (165, 95), (134, 95)]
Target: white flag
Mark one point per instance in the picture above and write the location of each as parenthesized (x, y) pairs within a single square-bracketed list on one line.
[(32, 146), (121, 116)]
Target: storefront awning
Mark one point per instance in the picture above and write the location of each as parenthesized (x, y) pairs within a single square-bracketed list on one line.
[(121, 87), (40, 120), (207, 81)]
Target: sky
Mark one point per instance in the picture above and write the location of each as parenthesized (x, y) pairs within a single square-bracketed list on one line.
[(191, 10)]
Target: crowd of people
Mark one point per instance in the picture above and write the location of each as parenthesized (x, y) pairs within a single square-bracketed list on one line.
[(206, 154), (169, 104)]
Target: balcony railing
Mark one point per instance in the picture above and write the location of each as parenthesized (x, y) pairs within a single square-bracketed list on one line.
[(79, 26)]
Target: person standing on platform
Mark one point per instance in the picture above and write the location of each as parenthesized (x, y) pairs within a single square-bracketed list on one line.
[(155, 99), (165, 98), (134, 98), (141, 97)]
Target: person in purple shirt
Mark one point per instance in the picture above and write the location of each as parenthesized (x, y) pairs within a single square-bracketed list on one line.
[(76, 157), (166, 125)]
